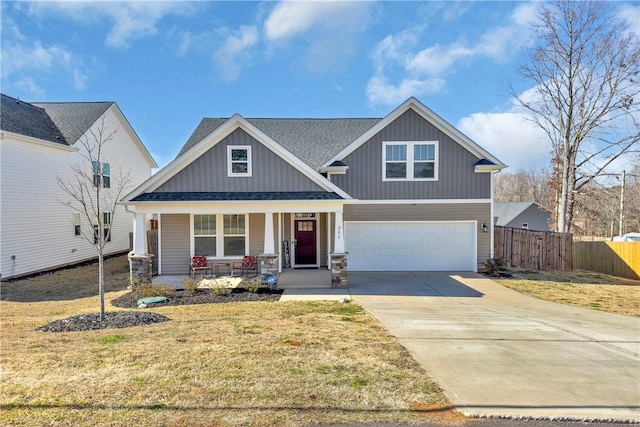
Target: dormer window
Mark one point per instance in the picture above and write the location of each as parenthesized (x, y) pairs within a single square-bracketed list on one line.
[(410, 161), (239, 160)]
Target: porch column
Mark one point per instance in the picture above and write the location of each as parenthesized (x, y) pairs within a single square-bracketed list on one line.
[(338, 238), (140, 264), (269, 247), (139, 235)]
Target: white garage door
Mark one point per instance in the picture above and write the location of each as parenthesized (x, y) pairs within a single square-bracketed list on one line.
[(410, 246)]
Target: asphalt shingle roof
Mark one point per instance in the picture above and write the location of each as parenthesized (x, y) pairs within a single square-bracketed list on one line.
[(29, 120), (314, 141), (74, 118), (225, 196), (508, 211), (61, 122)]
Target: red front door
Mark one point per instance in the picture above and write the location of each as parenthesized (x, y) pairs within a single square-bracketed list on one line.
[(305, 242)]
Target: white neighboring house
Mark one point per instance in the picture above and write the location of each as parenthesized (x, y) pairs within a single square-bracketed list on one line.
[(38, 145)]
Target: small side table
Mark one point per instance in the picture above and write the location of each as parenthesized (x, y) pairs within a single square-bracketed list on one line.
[(222, 267)]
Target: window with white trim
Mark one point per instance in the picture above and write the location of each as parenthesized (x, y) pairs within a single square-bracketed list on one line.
[(410, 161), (219, 235), (234, 235), (106, 227), (239, 160), (77, 222), (101, 174), (204, 235)]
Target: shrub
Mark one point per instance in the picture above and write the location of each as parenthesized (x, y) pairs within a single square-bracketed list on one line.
[(222, 287), (146, 289), (495, 267), (252, 285), (191, 285)]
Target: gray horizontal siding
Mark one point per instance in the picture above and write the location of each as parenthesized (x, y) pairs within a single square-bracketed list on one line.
[(456, 176), (175, 249), (208, 173), (480, 212)]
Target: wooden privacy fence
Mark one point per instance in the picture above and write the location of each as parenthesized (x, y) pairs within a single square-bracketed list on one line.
[(540, 250), (620, 259)]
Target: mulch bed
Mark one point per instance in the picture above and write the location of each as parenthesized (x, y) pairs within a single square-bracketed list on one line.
[(90, 322), (203, 296), (125, 319)]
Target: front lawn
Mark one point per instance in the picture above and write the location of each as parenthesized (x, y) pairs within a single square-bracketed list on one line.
[(248, 363), (581, 288)]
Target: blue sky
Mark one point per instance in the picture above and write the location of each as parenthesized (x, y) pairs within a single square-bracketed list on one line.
[(169, 64)]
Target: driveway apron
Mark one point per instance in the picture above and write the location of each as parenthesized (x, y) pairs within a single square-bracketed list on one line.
[(498, 353)]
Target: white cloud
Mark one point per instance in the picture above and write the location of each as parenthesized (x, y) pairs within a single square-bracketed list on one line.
[(129, 20), (389, 94), (510, 137), (331, 31), (28, 86), (233, 50), (434, 62), (291, 18), (630, 15)]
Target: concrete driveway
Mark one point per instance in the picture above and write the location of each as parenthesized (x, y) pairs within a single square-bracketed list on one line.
[(498, 353)]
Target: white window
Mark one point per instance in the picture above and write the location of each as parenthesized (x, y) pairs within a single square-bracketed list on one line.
[(204, 235), (77, 221), (239, 160), (219, 235), (525, 225), (410, 161), (101, 174), (106, 227)]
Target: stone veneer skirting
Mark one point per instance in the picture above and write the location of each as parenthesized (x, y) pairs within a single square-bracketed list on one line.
[(140, 267), (339, 271)]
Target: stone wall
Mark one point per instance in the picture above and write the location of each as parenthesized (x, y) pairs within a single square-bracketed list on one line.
[(339, 271), (140, 267)]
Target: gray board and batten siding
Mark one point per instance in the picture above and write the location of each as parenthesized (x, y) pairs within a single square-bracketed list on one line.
[(208, 173), (456, 176), (480, 212)]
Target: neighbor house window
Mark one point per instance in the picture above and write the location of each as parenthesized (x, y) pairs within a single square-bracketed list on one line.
[(525, 225), (239, 160), (410, 161), (219, 235), (77, 221), (101, 174), (106, 227), (204, 235)]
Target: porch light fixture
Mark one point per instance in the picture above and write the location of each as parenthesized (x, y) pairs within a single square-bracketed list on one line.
[(484, 227)]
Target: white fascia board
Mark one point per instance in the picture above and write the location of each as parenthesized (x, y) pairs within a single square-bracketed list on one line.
[(181, 162), (431, 117), (334, 170), (218, 134), (421, 201), (132, 134), (16, 137), (234, 206), (488, 168)]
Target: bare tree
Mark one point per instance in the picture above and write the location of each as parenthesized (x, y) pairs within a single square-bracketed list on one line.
[(586, 71), (96, 192)]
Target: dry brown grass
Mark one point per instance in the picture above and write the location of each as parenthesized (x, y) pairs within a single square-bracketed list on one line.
[(213, 364), (581, 288)]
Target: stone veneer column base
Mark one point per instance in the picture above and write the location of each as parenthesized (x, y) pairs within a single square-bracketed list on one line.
[(140, 267), (269, 265), (339, 271)]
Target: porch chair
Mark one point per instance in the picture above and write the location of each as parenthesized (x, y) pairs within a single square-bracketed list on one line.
[(199, 262), (248, 264)]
